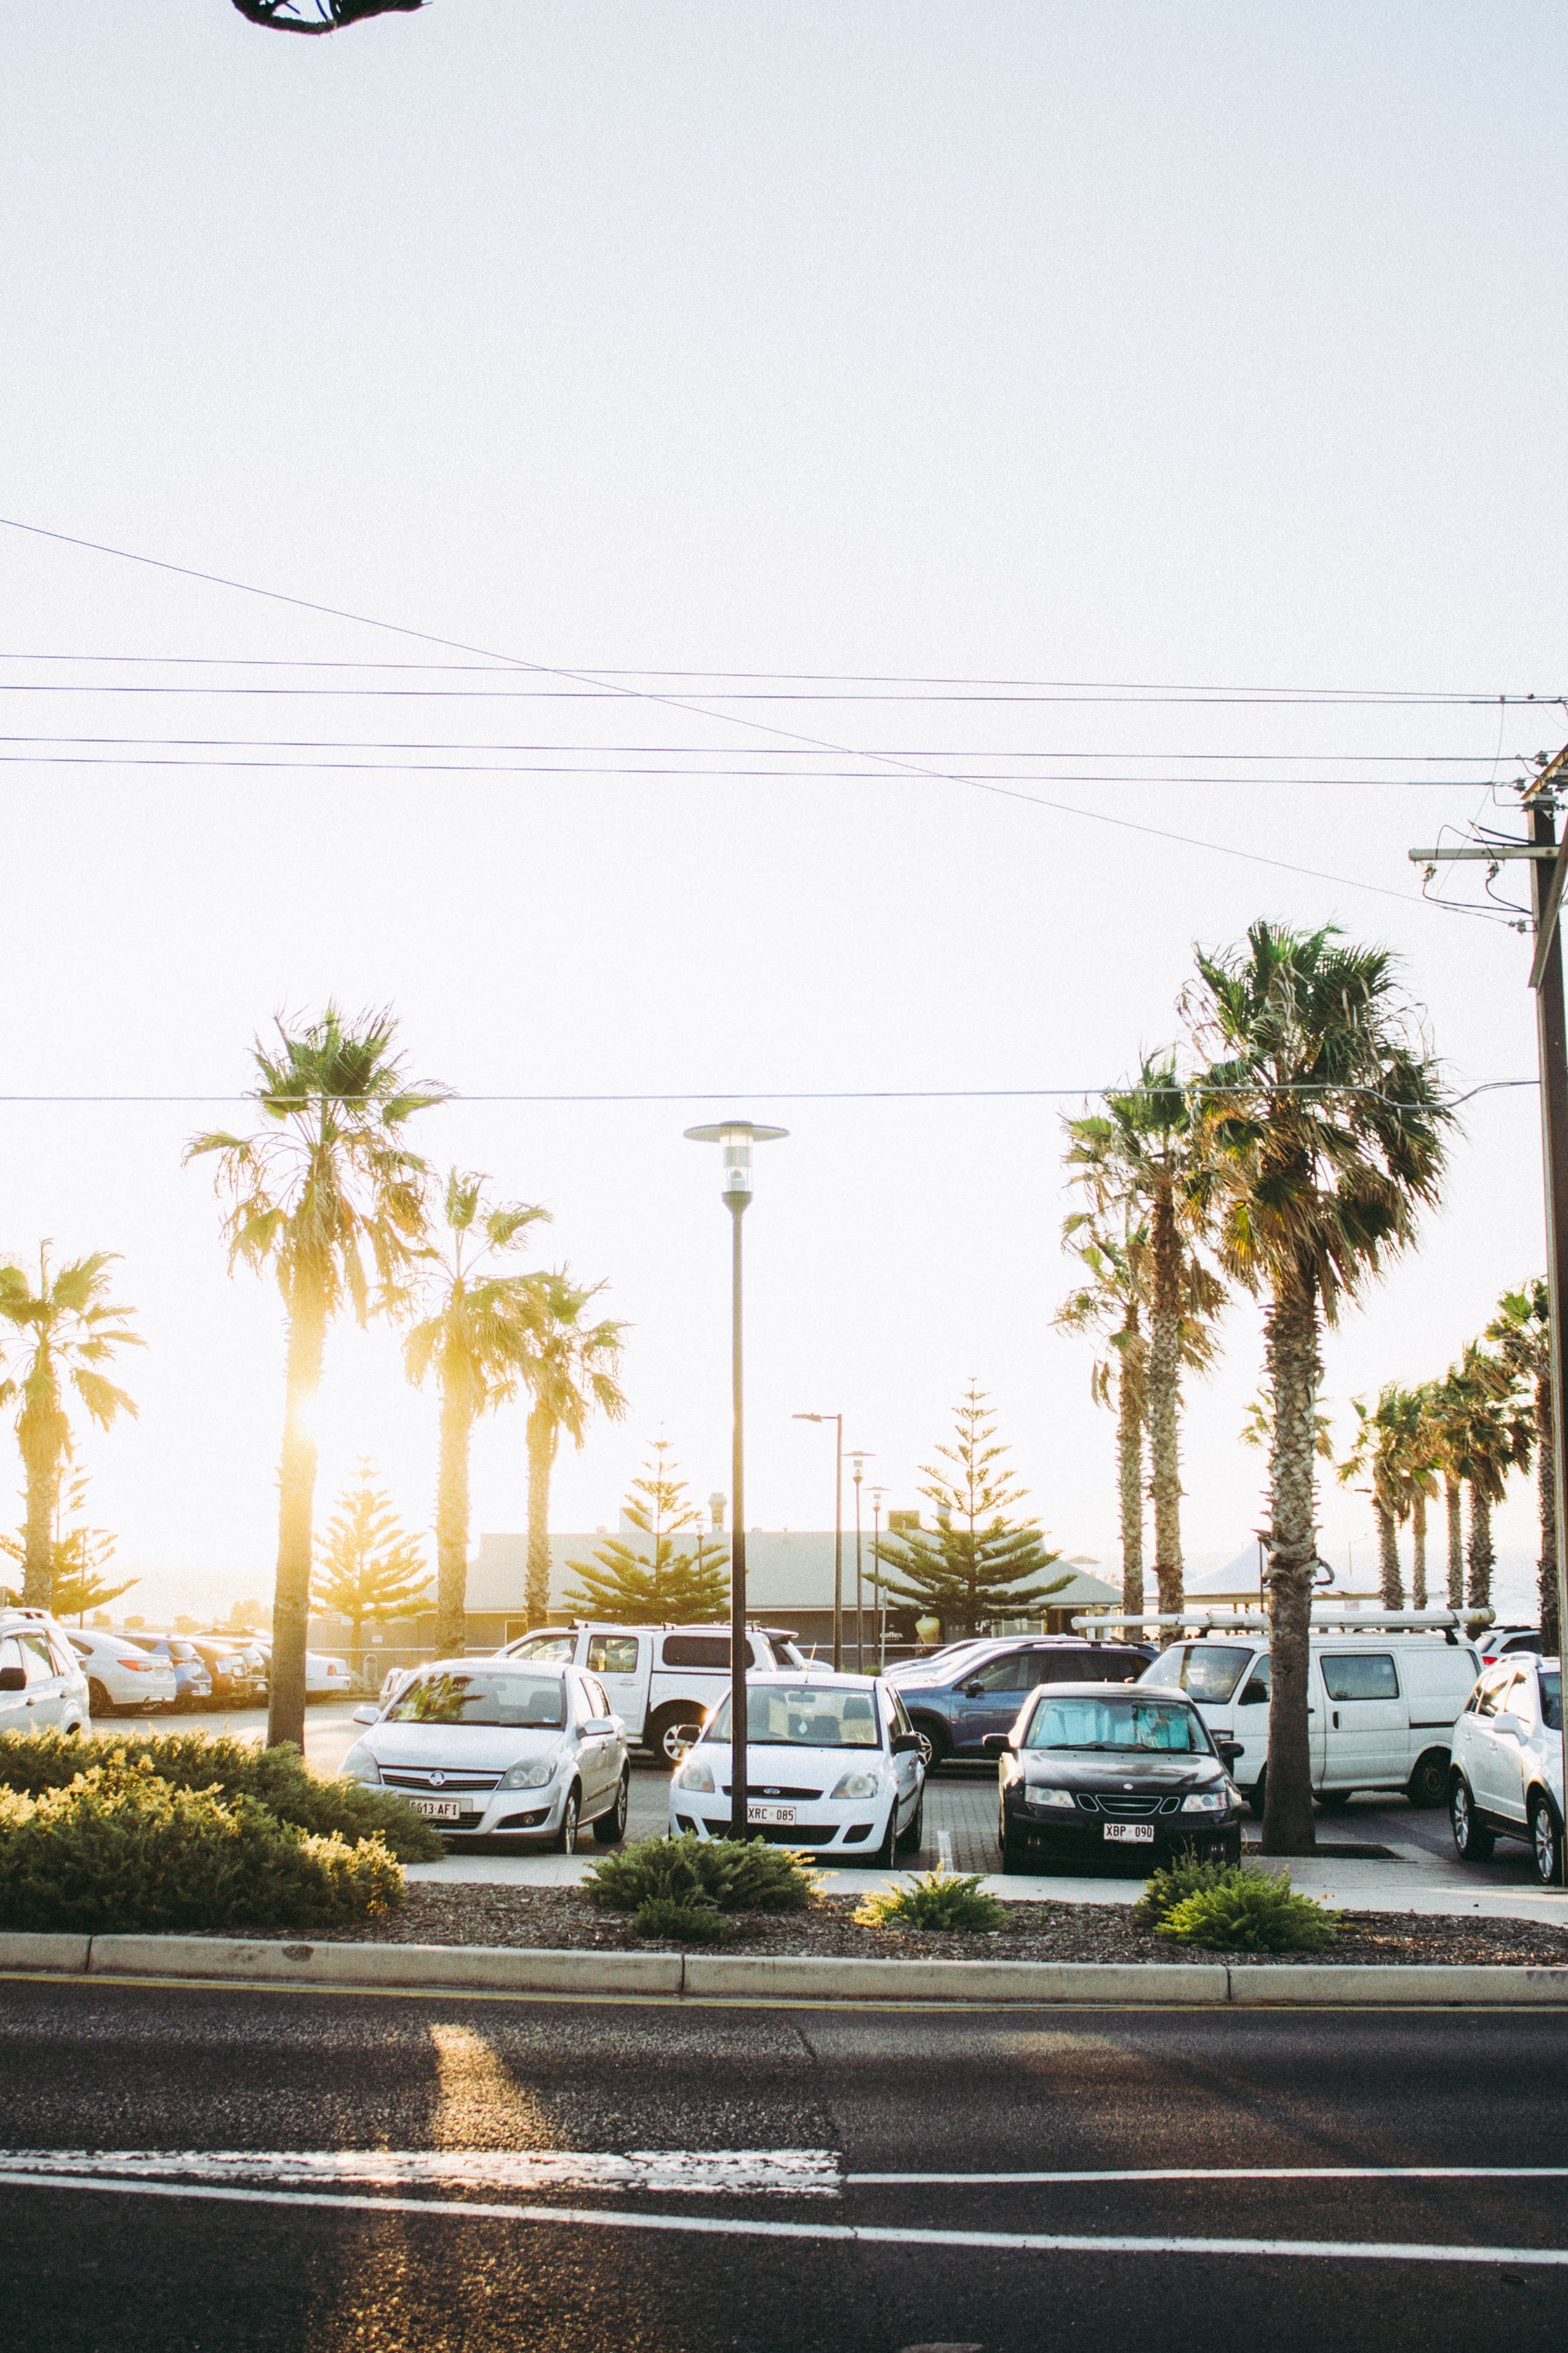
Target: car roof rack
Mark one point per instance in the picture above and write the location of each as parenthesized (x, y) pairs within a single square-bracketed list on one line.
[(1326, 1616)]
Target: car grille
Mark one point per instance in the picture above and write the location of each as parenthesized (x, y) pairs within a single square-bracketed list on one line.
[(438, 1781), (756, 1789), (1128, 1809)]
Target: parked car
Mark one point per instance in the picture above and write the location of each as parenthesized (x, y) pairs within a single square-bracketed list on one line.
[(42, 1682), (235, 1681), (967, 1699), (832, 1763), (1506, 1641), (484, 1744), (1380, 1707), (193, 1685), (1506, 1779), (663, 1680), (121, 1674), (328, 1676), (1089, 1772)]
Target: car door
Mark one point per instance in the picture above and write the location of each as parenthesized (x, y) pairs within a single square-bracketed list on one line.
[(1249, 1724), (620, 1661), (1479, 1743), (988, 1699), (1511, 1727), (46, 1691), (598, 1756), (908, 1770), (15, 1715), (1367, 1734)]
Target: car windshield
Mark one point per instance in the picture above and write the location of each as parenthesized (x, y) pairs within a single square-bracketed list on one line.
[(545, 1646), (1552, 1698), (1209, 1671), (1069, 1721), (783, 1715), (530, 1702)]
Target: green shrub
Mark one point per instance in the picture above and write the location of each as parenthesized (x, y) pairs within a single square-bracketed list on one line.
[(730, 1874), (937, 1899), (123, 1851), (35, 1762), (1251, 1911), (682, 1923), (1164, 1889)]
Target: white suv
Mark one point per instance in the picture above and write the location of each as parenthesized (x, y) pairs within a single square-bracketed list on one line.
[(1507, 1777)]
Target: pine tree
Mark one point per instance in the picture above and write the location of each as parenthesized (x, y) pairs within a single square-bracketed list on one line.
[(367, 1566), (656, 1581), (77, 1556), (971, 1569)]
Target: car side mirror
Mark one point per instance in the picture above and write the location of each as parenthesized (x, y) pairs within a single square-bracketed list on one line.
[(905, 1744), (12, 1679), (366, 1715), (599, 1727), (972, 1690), (997, 1743), (1230, 1750)]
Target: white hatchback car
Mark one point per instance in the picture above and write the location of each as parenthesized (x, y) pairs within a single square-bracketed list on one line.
[(833, 1764), (1507, 1775), (481, 1746), (121, 1674), (43, 1687)]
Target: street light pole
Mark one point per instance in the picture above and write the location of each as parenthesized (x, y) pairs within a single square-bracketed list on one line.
[(837, 1421), (859, 1460), (878, 1611), (737, 1137)]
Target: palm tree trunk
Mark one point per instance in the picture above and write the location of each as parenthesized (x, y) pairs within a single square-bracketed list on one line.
[(1481, 1554), (42, 1434), (1546, 1496), (1163, 1403), (1392, 1586), (1294, 1370), (541, 1442), (296, 1501), (1130, 1475), (1418, 1551), (1452, 1495), (452, 1525)]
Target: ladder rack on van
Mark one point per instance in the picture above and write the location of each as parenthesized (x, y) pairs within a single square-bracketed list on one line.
[(1325, 1615)]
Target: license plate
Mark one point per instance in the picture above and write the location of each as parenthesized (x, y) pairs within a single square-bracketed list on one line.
[(1134, 1833), (778, 1817), (438, 1809)]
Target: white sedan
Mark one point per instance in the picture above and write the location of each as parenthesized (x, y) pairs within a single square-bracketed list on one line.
[(327, 1677), (833, 1764), (483, 1746)]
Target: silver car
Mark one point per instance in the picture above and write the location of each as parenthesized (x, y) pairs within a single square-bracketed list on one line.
[(485, 1746)]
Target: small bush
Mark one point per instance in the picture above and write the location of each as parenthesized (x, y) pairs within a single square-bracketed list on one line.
[(1251, 1911), (937, 1899), (34, 1762), (123, 1851), (1164, 1889), (730, 1874), (682, 1923)]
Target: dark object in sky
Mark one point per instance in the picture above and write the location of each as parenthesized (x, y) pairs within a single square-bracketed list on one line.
[(284, 16)]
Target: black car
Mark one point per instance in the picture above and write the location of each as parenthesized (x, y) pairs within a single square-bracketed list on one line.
[(1092, 1771), (235, 1681), (960, 1700)]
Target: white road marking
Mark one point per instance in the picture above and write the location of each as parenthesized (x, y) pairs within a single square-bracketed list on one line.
[(862, 2234), (944, 1850), (1222, 2173), (780, 2172)]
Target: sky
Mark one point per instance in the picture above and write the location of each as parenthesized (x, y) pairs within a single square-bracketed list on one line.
[(1199, 346)]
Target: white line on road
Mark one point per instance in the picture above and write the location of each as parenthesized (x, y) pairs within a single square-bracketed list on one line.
[(1222, 2173), (944, 1850), (777, 2173), (856, 2233)]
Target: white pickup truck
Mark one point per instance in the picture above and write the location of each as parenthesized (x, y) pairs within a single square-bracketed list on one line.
[(662, 1680)]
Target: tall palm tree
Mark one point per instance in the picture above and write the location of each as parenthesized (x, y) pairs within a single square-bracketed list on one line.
[(70, 1328), (1111, 1302), (475, 1338), (1392, 1452), (328, 1195), (1326, 1137), (1447, 1411), (1520, 1332), (1140, 1156), (1492, 1434), (570, 1372)]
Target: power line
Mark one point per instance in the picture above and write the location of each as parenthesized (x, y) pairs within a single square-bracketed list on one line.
[(830, 1095)]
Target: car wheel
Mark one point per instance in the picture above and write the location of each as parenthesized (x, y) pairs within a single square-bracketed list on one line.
[(98, 1700), (1334, 1802), (1254, 1796), (1546, 1841), (1015, 1862), (566, 1836), (1428, 1784), (610, 1829), (911, 1838), (885, 1856), (672, 1733), (1473, 1842), (935, 1745)]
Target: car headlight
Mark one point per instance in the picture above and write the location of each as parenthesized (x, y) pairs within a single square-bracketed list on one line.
[(359, 1765), (856, 1785), (1048, 1796), (694, 1775), (1205, 1802), (530, 1773)]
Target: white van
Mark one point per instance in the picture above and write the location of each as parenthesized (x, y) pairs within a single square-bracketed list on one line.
[(662, 1680), (1381, 1706)]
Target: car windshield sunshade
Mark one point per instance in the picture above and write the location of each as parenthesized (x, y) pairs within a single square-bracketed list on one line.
[(1161, 1726), (532, 1702), (805, 1717)]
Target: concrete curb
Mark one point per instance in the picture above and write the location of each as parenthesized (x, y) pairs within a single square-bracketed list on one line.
[(741, 1978)]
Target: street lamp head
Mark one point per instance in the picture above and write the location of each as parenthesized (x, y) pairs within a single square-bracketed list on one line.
[(861, 1456), (737, 1137)]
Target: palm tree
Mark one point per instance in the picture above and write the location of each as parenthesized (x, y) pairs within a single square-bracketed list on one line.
[(1390, 1451), (1520, 1332), (326, 1183), (1325, 1139), (475, 1339), (1492, 1434), (1111, 1302), (1139, 1157), (570, 1372), (1446, 1409), (71, 1328)]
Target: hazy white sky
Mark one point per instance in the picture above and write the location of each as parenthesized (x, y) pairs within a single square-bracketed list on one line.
[(1171, 342)]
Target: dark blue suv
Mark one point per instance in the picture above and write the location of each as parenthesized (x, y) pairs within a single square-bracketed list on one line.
[(980, 1693)]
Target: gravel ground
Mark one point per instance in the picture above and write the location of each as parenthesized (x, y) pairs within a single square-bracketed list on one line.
[(562, 1917)]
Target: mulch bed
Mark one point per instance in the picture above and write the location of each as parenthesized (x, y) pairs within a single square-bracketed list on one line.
[(562, 1917)]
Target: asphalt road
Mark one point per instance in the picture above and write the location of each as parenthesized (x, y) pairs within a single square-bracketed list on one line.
[(505, 2112)]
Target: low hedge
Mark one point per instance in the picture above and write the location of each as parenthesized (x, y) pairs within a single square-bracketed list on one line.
[(712, 1874), (124, 1850), (35, 1762)]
